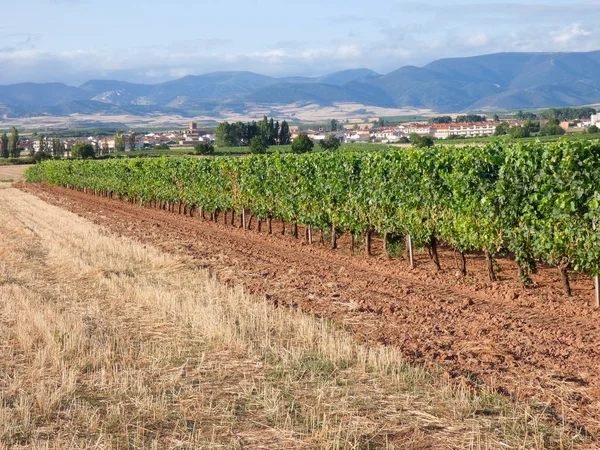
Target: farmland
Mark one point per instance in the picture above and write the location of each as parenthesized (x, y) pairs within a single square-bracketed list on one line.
[(497, 303), (109, 342)]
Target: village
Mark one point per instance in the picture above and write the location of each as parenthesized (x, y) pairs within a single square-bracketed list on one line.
[(357, 133)]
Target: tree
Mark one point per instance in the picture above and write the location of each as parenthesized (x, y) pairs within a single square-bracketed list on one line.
[(119, 142), (285, 136), (271, 132), (224, 136), (551, 129), (41, 144), (496, 118), (132, 137), (469, 118), (58, 148), (502, 130), (519, 132), (302, 144), (97, 147), (422, 141), (593, 129), (331, 142), (532, 126), (204, 148), (4, 153), (440, 120), (276, 133), (15, 151), (83, 151), (334, 125), (259, 145), (380, 123)]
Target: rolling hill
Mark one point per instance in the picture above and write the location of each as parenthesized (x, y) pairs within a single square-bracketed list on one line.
[(488, 82)]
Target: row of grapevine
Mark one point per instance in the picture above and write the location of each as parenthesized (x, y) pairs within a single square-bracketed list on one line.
[(537, 201)]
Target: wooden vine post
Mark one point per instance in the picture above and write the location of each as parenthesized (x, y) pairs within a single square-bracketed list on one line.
[(411, 256), (596, 278)]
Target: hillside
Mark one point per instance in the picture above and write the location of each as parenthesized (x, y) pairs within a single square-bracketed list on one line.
[(489, 82)]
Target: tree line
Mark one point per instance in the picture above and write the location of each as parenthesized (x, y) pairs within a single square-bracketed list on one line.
[(530, 128), (567, 114), (268, 131), (465, 118)]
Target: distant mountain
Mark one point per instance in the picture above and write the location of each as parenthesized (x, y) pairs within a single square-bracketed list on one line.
[(98, 87), (348, 76), (322, 94), (489, 82), (499, 81), (32, 94), (337, 78)]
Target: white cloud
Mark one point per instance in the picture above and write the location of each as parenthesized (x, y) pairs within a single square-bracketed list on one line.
[(570, 34), (389, 49), (477, 40)]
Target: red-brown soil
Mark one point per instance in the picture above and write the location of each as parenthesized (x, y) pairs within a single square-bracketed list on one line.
[(534, 344)]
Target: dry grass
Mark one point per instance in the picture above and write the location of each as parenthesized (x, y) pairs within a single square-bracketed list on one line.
[(11, 173), (107, 343)]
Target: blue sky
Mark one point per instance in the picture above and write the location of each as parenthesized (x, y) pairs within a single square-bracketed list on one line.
[(72, 41)]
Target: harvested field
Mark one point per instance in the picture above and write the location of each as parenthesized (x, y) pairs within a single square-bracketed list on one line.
[(109, 343), (12, 172), (533, 345)]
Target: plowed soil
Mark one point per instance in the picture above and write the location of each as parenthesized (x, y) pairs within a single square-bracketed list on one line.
[(533, 344)]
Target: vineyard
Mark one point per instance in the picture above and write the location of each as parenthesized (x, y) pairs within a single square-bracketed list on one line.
[(536, 201)]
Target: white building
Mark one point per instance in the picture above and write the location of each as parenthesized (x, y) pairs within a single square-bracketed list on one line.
[(477, 129)]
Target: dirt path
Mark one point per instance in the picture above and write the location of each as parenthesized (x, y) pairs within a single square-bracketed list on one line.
[(535, 345)]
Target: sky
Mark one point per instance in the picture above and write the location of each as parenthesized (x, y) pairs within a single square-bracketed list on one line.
[(150, 41)]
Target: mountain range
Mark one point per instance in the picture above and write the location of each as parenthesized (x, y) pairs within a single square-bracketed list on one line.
[(501, 81)]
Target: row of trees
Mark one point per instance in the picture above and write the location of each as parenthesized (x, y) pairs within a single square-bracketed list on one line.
[(9, 148), (567, 114), (538, 202), (465, 118), (269, 132), (529, 128), (49, 148)]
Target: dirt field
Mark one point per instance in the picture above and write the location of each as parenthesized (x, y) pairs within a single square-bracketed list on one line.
[(534, 345), (110, 343), (12, 172)]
